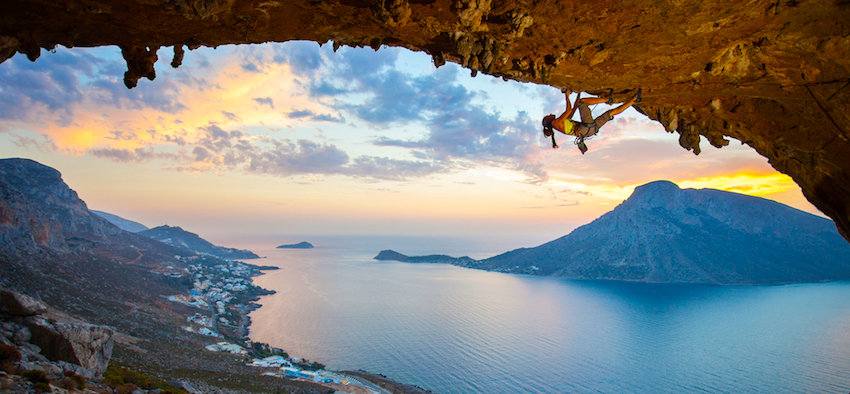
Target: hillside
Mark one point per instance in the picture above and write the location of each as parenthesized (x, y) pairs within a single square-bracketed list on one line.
[(665, 234), (180, 238), (124, 224), (104, 293)]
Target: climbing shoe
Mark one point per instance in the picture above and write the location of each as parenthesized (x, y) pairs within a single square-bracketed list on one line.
[(637, 96), (610, 97)]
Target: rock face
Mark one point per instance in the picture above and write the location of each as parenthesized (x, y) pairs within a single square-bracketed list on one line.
[(22, 305), (773, 75), (665, 234), (39, 212), (88, 347), (37, 209), (176, 236)]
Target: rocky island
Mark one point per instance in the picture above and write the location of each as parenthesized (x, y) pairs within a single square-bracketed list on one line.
[(391, 255), (663, 234), (300, 245)]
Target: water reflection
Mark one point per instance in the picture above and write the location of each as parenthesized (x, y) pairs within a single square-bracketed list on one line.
[(456, 330)]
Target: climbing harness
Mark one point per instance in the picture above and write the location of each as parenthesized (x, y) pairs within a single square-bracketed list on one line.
[(579, 141)]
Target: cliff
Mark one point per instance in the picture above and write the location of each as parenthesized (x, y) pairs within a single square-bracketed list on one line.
[(666, 234), (771, 74), (40, 214)]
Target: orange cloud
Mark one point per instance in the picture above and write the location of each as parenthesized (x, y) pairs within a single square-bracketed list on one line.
[(749, 183)]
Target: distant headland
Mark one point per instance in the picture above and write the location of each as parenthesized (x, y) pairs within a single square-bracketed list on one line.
[(434, 258), (300, 245)]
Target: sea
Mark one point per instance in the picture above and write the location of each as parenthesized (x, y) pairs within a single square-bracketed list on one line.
[(458, 330)]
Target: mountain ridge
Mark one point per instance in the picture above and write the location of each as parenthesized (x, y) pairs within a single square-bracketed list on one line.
[(181, 238), (124, 224), (663, 234)]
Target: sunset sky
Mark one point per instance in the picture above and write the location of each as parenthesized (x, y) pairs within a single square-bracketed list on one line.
[(296, 139)]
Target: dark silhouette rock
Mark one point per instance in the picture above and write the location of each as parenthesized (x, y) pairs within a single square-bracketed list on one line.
[(434, 258), (176, 236), (300, 245)]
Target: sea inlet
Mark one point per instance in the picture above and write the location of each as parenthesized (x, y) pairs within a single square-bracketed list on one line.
[(457, 330)]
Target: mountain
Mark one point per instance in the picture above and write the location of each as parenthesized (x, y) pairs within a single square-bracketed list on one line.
[(124, 224), (180, 238), (39, 214), (662, 233)]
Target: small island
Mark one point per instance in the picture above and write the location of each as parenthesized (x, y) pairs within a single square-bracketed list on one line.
[(434, 258), (300, 245)]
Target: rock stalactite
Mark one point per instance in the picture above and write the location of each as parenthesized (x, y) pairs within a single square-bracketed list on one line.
[(771, 74)]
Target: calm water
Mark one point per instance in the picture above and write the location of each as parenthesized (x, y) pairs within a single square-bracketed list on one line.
[(455, 330)]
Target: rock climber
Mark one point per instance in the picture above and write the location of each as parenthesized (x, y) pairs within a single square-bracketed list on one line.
[(588, 125)]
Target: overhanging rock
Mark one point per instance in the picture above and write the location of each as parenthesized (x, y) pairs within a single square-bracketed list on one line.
[(773, 75)]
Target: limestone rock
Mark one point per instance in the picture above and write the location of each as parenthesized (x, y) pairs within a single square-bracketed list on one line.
[(17, 304), (87, 345)]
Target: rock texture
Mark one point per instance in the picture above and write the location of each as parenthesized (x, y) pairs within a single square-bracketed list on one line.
[(59, 215), (39, 212), (86, 347), (771, 74), (665, 234)]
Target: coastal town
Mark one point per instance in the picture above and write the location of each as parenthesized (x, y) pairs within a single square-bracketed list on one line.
[(223, 291)]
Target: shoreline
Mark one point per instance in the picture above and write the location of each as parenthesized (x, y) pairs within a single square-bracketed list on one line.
[(373, 382)]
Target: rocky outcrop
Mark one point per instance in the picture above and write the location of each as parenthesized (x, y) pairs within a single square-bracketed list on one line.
[(773, 75), (86, 345), (20, 305), (80, 348)]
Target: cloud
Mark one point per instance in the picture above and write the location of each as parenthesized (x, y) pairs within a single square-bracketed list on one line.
[(264, 100), (302, 56), (250, 67), (302, 157), (458, 127), (130, 155), (141, 124), (45, 145), (310, 115), (392, 169), (231, 116)]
